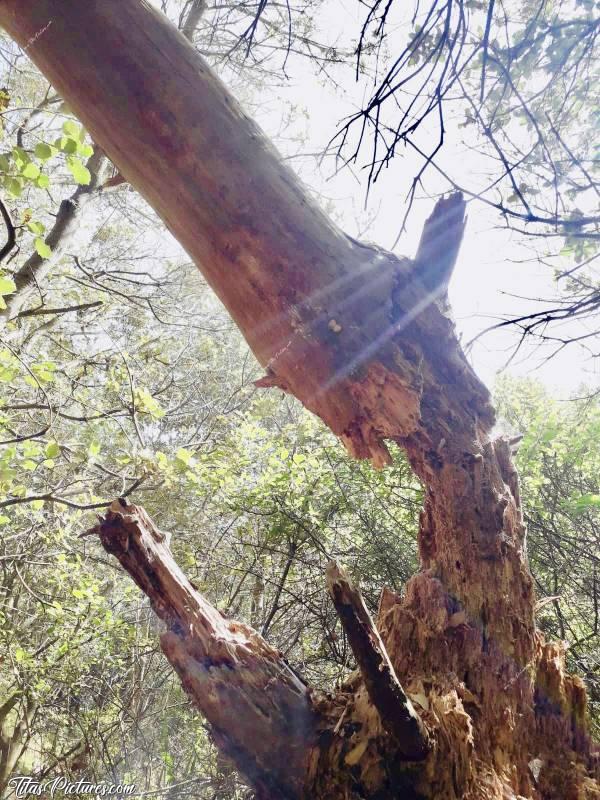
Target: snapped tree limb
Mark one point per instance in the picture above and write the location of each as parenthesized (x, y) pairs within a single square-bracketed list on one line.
[(397, 713), (261, 713)]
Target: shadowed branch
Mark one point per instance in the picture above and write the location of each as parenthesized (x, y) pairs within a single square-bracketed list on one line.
[(397, 713)]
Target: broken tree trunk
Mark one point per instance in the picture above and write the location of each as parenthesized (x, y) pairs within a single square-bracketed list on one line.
[(357, 335), (260, 711)]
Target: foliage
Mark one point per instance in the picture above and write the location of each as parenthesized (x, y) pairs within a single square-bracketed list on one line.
[(559, 463), (519, 74)]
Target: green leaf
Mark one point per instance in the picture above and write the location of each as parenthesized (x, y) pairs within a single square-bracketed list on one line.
[(31, 449), (71, 128), (149, 404), (7, 285), (43, 250), (36, 227), (183, 455), (14, 187), (43, 182), (85, 150), (44, 371), (31, 171), (68, 145), (44, 151), (37, 504), (94, 449), (79, 171), (52, 449), (20, 157)]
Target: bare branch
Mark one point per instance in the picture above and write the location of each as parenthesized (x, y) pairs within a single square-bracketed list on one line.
[(36, 312)]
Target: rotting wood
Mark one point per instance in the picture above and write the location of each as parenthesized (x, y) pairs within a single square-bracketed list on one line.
[(260, 711), (397, 713)]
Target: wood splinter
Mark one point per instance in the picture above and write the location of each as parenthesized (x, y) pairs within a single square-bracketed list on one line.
[(398, 715)]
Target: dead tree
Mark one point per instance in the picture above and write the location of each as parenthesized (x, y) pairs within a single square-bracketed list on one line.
[(456, 695)]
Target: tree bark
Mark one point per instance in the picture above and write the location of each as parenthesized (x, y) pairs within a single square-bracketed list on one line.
[(360, 337)]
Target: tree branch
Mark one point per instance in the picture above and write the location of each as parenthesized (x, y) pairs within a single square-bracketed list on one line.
[(36, 312), (194, 15), (397, 713), (65, 226), (440, 243), (10, 232), (48, 496)]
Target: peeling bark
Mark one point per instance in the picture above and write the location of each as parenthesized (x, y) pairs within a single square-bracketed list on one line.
[(362, 338)]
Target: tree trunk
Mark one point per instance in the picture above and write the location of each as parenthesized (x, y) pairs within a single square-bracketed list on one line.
[(15, 737), (260, 711), (478, 706)]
